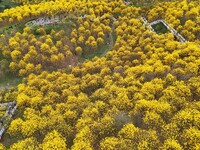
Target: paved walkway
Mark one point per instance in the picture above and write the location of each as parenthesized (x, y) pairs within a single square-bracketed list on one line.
[(58, 19), (43, 21), (172, 30), (147, 24)]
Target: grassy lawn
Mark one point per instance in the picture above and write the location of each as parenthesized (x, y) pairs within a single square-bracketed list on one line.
[(7, 141), (47, 28), (137, 5), (7, 4), (144, 4), (102, 51), (66, 26), (98, 53), (12, 29), (160, 28), (9, 80)]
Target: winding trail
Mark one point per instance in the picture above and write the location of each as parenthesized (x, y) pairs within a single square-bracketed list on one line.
[(43, 21), (111, 43), (12, 106)]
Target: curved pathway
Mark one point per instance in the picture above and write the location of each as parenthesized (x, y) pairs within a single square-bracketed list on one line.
[(111, 44), (11, 107)]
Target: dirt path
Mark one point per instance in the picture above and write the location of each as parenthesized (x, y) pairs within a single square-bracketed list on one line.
[(111, 43)]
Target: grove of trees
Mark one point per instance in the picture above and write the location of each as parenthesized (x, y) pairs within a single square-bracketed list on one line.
[(144, 94)]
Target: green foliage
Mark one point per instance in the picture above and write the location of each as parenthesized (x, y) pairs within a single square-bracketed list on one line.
[(160, 28)]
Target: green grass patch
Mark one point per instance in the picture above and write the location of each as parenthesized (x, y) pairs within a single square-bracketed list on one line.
[(160, 28), (48, 28), (7, 141), (1, 55), (9, 80), (12, 29), (137, 5), (7, 4), (114, 37), (99, 52)]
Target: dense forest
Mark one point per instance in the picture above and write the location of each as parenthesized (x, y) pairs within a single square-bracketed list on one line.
[(95, 75)]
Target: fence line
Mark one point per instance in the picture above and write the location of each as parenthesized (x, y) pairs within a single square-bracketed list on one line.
[(172, 30)]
